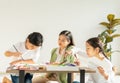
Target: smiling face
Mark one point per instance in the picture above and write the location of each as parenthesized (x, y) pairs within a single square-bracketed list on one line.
[(30, 46), (63, 42), (91, 51)]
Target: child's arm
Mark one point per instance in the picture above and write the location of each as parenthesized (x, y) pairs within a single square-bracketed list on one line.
[(29, 61), (103, 73), (9, 53)]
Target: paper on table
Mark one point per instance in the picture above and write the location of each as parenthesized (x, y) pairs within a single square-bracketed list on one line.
[(62, 68), (27, 66)]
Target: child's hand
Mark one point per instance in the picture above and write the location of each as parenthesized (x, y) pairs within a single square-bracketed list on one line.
[(68, 52), (53, 63), (77, 62), (17, 54), (102, 72), (16, 62)]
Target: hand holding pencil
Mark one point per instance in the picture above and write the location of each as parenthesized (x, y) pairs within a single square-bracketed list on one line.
[(17, 53)]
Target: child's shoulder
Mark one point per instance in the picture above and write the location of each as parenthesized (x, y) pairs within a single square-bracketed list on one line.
[(54, 49)]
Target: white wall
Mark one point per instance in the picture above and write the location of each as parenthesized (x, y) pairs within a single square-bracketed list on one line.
[(82, 17)]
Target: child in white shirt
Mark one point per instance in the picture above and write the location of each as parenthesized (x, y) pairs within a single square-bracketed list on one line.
[(25, 52), (99, 62)]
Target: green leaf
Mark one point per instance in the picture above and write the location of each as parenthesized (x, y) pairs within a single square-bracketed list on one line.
[(108, 54), (107, 25), (111, 31), (115, 22), (115, 35), (109, 39), (103, 33), (107, 35), (110, 17)]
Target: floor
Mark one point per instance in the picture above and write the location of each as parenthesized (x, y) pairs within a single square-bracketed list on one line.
[(117, 78)]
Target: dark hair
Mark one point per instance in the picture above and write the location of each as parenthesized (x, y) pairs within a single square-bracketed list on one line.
[(35, 38), (68, 35), (95, 42)]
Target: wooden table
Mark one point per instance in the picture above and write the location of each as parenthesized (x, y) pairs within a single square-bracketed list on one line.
[(54, 69)]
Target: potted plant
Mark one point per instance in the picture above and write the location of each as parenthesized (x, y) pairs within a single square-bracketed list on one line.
[(108, 35)]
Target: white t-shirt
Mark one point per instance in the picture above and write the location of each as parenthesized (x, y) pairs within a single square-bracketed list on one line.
[(26, 54), (97, 77), (94, 63)]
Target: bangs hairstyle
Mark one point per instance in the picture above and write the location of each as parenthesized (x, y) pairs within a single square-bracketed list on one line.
[(68, 35)]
